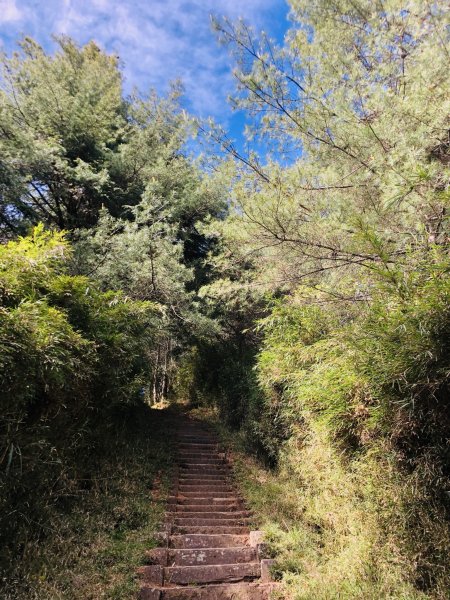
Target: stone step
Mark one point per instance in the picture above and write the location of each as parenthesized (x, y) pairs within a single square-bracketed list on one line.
[(216, 483), (212, 451), (204, 447), (207, 552), (206, 508), (211, 573), (215, 496), (205, 480), (216, 466), (186, 473), (210, 529), (206, 452), (194, 491), (191, 462), (202, 522), (200, 479), (197, 462), (197, 439), (236, 515), (214, 540), (201, 448), (236, 591), (209, 470), (207, 473), (198, 445), (196, 435), (211, 461), (220, 467), (206, 491), (198, 455), (206, 487), (212, 556), (180, 501), (211, 495), (204, 484), (223, 475), (199, 458)]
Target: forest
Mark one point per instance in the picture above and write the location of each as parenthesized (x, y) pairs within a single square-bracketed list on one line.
[(297, 296)]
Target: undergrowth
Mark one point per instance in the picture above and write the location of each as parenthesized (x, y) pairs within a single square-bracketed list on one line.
[(334, 527), (92, 542)]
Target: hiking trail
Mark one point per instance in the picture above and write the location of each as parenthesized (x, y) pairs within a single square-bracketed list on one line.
[(207, 550)]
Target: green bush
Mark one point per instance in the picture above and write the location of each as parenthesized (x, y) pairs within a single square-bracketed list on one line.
[(365, 395), (349, 401), (69, 354)]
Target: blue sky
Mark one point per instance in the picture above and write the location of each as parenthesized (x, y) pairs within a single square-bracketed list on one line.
[(157, 40)]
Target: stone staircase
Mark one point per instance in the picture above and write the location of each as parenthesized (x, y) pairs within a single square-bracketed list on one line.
[(207, 550)]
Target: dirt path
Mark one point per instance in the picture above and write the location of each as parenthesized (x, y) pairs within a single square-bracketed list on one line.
[(208, 551)]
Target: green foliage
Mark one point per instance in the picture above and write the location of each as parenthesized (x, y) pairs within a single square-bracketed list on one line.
[(404, 337), (71, 143), (348, 93), (352, 405), (26, 264), (325, 523), (157, 254), (345, 251), (63, 119), (114, 173), (69, 353)]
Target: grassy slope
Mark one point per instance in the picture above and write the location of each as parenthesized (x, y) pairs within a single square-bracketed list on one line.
[(91, 548), (324, 533)]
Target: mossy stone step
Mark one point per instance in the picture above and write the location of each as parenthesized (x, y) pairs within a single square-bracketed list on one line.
[(207, 508), (211, 573), (210, 529), (211, 556), (214, 540), (237, 591), (208, 500)]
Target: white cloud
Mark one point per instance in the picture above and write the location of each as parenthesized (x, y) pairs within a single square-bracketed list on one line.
[(9, 13), (157, 40)]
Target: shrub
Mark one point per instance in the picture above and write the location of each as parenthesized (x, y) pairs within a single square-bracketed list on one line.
[(69, 353)]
